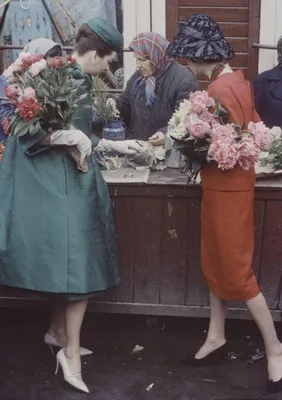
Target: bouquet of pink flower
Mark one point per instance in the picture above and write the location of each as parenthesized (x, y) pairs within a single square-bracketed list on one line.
[(45, 95), (200, 131)]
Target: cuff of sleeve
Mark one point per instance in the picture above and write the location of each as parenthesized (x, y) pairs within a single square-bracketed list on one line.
[(30, 144)]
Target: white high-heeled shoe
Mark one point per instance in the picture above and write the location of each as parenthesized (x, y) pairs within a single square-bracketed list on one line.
[(50, 341), (74, 380)]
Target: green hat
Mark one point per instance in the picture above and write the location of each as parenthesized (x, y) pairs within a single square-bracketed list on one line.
[(107, 32)]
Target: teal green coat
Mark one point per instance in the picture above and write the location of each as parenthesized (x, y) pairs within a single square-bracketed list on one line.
[(56, 224)]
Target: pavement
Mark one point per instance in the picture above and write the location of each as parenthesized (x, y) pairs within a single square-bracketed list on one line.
[(113, 372)]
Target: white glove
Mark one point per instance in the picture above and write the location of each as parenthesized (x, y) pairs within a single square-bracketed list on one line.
[(127, 147), (75, 138)]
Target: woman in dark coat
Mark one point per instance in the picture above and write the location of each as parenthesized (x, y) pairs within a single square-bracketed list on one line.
[(155, 90), (268, 93)]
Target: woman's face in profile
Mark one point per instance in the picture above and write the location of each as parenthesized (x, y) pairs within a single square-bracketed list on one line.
[(144, 65), (99, 64)]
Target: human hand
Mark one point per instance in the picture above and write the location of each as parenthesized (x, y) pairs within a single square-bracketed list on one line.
[(158, 139), (127, 147), (76, 138)]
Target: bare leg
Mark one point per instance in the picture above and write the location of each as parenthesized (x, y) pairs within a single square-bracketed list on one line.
[(261, 314), (216, 334), (75, 311), (57, 328)]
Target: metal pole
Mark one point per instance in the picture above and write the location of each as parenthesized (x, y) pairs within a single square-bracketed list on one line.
[(13, 47), (53, 21), (264, 46)]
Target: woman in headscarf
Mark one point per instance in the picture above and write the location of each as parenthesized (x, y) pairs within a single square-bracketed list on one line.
[(154, 91), (227, 220), (268, 93), (57, 238)]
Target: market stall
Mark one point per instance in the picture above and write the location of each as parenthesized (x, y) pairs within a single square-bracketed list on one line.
[(158, 232)]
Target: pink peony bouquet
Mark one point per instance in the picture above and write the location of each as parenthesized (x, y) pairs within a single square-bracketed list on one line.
[(200, 130), (45, 95)]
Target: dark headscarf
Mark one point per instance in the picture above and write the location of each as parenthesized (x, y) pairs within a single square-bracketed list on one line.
[(200, 38)]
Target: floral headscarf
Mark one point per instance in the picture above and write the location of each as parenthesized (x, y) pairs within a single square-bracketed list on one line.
[(151, 46), (200, 38)]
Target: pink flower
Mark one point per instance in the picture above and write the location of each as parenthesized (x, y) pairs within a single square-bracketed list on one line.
[(198, 128), (57, 62), (261, 134), (11, 92), (37, 67), (207, 116), (28, 59), (71, 60), (248, 153), (29, 108), (224, 152), (201, 101), (222, 132), (29, 93), (6, 125)]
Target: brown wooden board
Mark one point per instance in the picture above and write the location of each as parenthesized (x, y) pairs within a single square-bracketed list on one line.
[(123, 212), (216, 3), (271, 254), (173, 251), (146, 249), (197, 292), (218, 14)]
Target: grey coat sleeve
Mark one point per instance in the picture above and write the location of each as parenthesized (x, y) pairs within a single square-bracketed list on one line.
[(187, 85), (124, 100)]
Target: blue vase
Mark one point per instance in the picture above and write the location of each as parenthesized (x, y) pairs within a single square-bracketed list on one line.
[(114, 131)]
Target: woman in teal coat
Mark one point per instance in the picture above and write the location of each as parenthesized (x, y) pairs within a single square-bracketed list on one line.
[(57, 238)]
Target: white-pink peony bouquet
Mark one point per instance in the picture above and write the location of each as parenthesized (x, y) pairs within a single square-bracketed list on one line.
[(200, 130)]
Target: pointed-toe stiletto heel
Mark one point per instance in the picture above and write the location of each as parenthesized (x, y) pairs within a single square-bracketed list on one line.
[(52, 342), (216, 357), (73, 380)]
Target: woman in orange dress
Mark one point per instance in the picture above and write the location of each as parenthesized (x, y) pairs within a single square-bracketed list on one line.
[(227, 215)]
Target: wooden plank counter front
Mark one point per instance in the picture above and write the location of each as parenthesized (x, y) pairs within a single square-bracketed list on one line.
[(158, 231)]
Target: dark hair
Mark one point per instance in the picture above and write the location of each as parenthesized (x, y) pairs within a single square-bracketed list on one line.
[(56, 51), (87, 40)]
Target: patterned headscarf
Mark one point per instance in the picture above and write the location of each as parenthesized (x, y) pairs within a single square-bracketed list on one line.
[(200, 38), (279, 50), (151, 46)]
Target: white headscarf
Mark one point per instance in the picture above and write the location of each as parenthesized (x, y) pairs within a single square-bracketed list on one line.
[(40, 46)]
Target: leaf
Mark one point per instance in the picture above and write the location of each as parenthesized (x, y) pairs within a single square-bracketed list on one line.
[(24, 130), (19, 126), (61, 99)]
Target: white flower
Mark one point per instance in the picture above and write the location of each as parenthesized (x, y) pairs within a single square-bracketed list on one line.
[(23, 55), (37, 67)]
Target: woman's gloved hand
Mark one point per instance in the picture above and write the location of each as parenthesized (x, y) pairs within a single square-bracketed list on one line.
[(80, 146), (127, 147)]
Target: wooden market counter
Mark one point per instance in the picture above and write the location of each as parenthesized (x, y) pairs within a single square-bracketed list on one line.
[(158, 231)]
